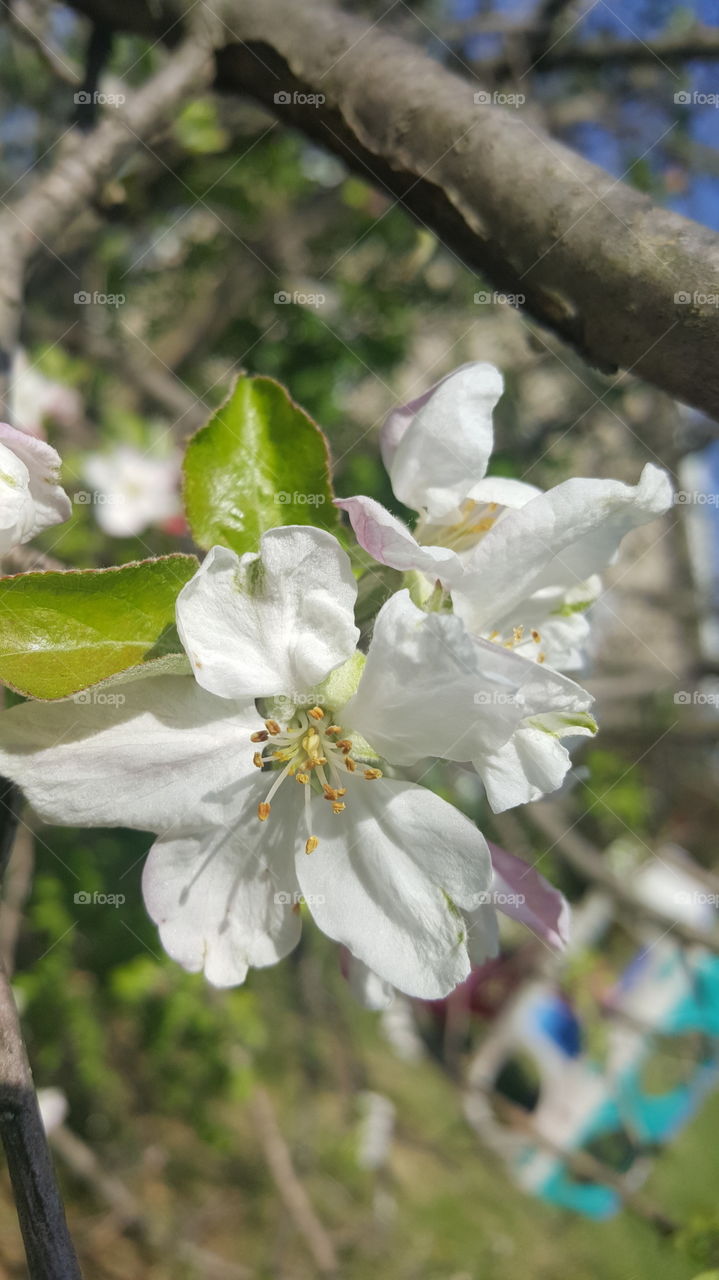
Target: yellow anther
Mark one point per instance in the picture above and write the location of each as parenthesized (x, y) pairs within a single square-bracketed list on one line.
[(312, 743), (344, 744), (303, 778), (272, 727), (338, 806), (542, 657), (257, 760), (263, 811), (311, 844), (316, 713), (341, 791), (350, 764), (372, 773), (517, 634), (536, 637), (482, 526), (261, 736), (494, 635), (333, 728), (330, 793)]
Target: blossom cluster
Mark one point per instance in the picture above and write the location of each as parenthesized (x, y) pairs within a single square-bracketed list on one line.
[(283, 771)]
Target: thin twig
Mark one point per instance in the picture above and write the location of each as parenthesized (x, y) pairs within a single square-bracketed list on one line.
[(289, 1187)]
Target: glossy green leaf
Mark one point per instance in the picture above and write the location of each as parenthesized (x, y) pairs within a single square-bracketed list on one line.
[(61, 632), (260, 462)]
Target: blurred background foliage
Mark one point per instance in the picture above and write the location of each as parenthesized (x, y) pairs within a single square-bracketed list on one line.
[(198, 235)]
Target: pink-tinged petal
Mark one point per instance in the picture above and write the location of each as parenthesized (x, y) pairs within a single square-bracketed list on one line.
[(445, 449), (51, 503), (529, 898), (390, 542), (397, 422)]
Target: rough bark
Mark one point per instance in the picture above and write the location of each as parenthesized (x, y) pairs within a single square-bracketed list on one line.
[(595, 260)]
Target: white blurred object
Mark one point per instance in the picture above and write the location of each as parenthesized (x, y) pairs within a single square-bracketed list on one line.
[(53, 1108), (35, 399), (133, 489), (400, 1030), (376, 1130)]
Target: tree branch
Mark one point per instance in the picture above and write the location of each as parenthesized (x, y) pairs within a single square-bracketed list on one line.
[(699, 42), (574, 848), (594, 259), (48, 1247), (41, 215)]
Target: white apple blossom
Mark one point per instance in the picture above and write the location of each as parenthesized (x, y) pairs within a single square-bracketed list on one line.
[(35, 399), (521, 565), (133, 489), (274, 775), (31, 498)]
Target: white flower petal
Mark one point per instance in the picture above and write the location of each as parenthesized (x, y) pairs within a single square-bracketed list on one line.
[(388, 877), (558, 539), (532, 764), (164, 749), (444, 450), (224, 898), (503, 490), (390, 542), (134, 489), (273, 623), (429, 688), (30, 497)]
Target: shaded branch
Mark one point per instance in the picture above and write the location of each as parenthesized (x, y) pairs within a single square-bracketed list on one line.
[(571, 845), (593, 258), (40, 216), (48, 1247)]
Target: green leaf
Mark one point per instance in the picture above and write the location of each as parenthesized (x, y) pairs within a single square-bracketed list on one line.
[(61, 632), (260, 462)]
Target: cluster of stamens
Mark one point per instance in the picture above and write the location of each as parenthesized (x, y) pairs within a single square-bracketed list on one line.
[(308, 750), (517, 638), (475, 519)]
